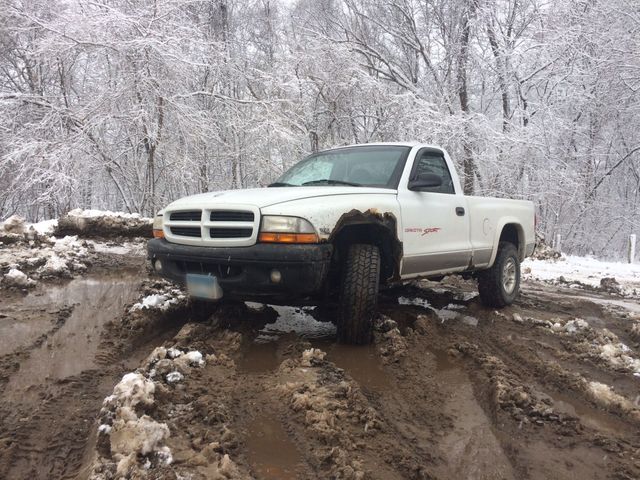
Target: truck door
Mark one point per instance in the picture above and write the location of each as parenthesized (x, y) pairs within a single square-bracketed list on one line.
[(435, 220)]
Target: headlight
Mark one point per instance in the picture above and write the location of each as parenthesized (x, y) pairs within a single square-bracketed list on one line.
[(278, 224), (157, 226), (281, 229)]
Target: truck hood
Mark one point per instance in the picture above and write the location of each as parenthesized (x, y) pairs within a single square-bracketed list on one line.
[(265, 197)]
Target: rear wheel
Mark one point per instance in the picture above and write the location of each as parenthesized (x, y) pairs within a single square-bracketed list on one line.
[(359, 286), (499, 285)]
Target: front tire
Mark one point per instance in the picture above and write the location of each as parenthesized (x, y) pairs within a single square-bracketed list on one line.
[(499, 285), (359, 286)]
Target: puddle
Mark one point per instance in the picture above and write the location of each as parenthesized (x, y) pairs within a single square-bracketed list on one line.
[(360, 362), (299, 321), (588, 416), (444, 361), (630, 304), (270, 451), (16, 331), (259, 356), (471, 448), (416, 301), (72, 348), (448, 313)]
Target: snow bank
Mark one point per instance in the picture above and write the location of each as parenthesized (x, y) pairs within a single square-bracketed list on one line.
[(14, 224), (78, 212), (136, 441), (585, 270), (45, 227), (103, 224)]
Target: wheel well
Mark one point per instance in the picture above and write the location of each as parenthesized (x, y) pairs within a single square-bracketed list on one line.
[(511, 233), (378, 234)]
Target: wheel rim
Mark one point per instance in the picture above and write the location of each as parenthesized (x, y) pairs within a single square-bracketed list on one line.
[(509, 276)]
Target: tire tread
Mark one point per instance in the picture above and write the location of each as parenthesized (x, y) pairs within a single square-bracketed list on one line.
[(359, 294), (490, 281)]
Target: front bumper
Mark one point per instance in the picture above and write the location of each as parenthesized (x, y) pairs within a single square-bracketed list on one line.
[(245, 272)]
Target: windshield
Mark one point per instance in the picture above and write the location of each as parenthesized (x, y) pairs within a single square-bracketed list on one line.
[(375, 166)]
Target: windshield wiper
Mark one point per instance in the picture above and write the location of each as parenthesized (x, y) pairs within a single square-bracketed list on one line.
[(328, 181), (281, 184)]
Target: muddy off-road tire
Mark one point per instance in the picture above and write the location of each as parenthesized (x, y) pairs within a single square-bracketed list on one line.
[(500, 284), (358, 294)]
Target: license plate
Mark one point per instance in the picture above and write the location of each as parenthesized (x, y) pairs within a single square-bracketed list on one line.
[(203, 286)]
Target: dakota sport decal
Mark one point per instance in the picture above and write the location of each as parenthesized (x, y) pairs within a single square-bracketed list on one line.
[(423, 231)]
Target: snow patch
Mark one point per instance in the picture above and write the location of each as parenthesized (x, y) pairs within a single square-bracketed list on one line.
[(45, 227), (14, 224), (174, 377), (572, 326), (174, 352), (194, 358), (585, 270), (157, 301), (78, 212), (312, 357), (17, 278), (141, 436), (604, 395), (134, 389), (104, 428)]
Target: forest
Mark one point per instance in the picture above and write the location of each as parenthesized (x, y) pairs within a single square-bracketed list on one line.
[(128, 104)]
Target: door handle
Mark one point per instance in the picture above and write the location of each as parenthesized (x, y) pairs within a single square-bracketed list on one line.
[(460, 211)]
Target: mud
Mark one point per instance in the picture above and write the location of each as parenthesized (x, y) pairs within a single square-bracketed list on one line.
[(449, 389)]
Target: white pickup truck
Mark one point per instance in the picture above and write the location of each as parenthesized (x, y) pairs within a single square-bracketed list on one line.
[(339, 225)]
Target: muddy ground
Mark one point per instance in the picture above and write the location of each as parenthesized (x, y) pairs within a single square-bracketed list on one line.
[(449, 389)]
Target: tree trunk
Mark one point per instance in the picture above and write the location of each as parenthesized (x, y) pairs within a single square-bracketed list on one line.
[(463, 95)]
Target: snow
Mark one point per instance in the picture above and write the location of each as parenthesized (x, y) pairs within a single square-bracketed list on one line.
[(141, 436), (119, 249), (134, 389), (174, 352), (78, 212), (174, 377), (194, 357), (13, 224), (605, 395), (55, 264), (156, 300), (104, 428), (44, 227), (586, 270), (618, 355), (18, 278), (572, 326), (312, 356)]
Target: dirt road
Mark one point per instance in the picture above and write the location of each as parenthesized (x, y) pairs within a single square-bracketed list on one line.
[(449, 389)]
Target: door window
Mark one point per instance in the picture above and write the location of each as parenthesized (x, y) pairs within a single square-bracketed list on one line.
[(434, 163)]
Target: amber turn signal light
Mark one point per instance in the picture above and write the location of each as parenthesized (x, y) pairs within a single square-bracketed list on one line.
[(266, 237), (158, 234)]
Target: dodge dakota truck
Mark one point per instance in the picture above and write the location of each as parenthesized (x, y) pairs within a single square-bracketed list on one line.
[(338, 226)]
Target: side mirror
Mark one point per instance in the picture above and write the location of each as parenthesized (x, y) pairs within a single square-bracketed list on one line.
[(425, 180)]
